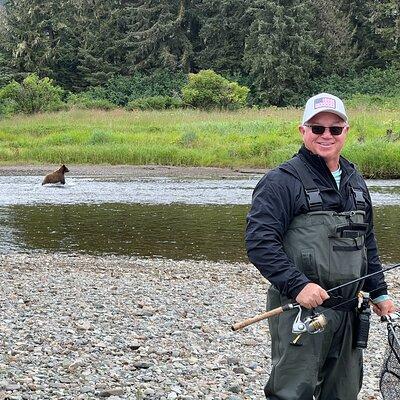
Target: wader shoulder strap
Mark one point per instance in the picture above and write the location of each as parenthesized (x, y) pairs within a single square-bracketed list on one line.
[(312, 192), (357, 192)]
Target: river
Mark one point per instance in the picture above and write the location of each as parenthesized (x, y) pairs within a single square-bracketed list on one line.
[(201, 219)]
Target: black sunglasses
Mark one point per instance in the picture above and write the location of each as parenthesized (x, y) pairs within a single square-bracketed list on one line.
[(319, 129)]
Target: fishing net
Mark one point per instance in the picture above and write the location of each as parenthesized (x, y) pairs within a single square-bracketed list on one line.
[(390, 374)]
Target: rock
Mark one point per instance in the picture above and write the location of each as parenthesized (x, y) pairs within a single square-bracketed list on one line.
[(232, 361), (135, 345), (111, 392), (12, 387), (234, 389), (239, 370), (75, 365), (83, 325), (142, 365), (253, 365)]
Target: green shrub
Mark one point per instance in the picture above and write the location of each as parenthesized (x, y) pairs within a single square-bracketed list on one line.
[(120, 90), (7, 107), (209, 90), (32, 95), (155, 103), (86, 101)]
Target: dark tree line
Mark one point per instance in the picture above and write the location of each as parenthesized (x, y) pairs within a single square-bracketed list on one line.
[(281, 49)]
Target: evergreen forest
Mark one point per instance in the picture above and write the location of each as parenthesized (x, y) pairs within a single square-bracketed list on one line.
[(282, 50)]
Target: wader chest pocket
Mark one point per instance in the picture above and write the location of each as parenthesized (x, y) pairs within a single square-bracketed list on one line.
[(348, 244), (351, 231), (347, 258)]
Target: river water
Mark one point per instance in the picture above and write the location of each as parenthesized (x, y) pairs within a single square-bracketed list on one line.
[(201, 219)]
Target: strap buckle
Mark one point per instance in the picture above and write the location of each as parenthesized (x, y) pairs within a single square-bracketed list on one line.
[(359, 199), (314, 199)]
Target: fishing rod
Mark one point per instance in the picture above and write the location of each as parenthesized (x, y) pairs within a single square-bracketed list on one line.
[(291, 306)]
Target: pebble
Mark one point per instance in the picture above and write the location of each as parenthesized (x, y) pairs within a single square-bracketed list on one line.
[(12, 388), (234, 389), (111, 392), (127, 328), (142, 365)]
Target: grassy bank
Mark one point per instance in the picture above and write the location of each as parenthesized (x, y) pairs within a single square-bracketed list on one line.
[(247, 138)]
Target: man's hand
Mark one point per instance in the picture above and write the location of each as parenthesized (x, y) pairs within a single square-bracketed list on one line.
[(312, 296), (384, 307)]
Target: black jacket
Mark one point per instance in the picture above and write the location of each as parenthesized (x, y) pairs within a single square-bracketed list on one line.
[(279, 197)]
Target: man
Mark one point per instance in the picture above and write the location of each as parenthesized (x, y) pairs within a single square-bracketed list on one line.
[(310, 229)]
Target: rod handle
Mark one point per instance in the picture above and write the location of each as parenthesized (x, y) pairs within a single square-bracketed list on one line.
[(256, 318)]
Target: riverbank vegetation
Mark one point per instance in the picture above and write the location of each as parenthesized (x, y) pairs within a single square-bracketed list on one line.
[(96, 72), (242, 138)]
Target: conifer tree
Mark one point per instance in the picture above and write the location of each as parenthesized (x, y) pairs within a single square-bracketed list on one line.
[(364, 36), (104, 45), (26, 35), (224, 27), (37, 36), (280, 50), (5, 68), (337, 52), (385, 19), (162, 35)]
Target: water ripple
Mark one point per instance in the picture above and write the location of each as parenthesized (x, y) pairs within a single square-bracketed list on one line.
[(19, 190)]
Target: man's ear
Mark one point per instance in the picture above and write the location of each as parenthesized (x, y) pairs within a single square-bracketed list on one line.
[(302, 130)]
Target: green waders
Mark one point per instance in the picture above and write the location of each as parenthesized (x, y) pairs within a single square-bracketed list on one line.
[(329, 248)]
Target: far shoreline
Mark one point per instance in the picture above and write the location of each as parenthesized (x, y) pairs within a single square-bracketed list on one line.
[(137, 171)]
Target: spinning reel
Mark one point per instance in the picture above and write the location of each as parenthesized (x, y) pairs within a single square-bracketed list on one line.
[(313, 324)]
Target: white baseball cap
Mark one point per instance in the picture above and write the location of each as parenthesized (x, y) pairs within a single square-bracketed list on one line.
[(324, 102)]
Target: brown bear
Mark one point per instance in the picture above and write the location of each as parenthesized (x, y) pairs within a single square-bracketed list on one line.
[(56, 176)]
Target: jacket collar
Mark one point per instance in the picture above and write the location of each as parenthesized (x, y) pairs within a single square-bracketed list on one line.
[(319, 164)]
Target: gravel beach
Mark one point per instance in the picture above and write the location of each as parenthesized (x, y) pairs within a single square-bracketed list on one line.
[(85, 327)]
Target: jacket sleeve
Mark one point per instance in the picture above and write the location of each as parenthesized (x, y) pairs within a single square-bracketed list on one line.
[(376, 284), (272, 210)]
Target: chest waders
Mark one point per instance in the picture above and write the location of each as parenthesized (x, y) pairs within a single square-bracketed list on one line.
[(329, 248)]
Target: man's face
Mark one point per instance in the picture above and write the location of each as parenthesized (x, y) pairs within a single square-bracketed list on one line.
[(325, 145)]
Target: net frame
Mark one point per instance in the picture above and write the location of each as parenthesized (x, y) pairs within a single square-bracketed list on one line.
[(389, 382)]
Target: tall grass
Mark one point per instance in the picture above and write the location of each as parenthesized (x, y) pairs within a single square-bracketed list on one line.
[(246, 138)]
